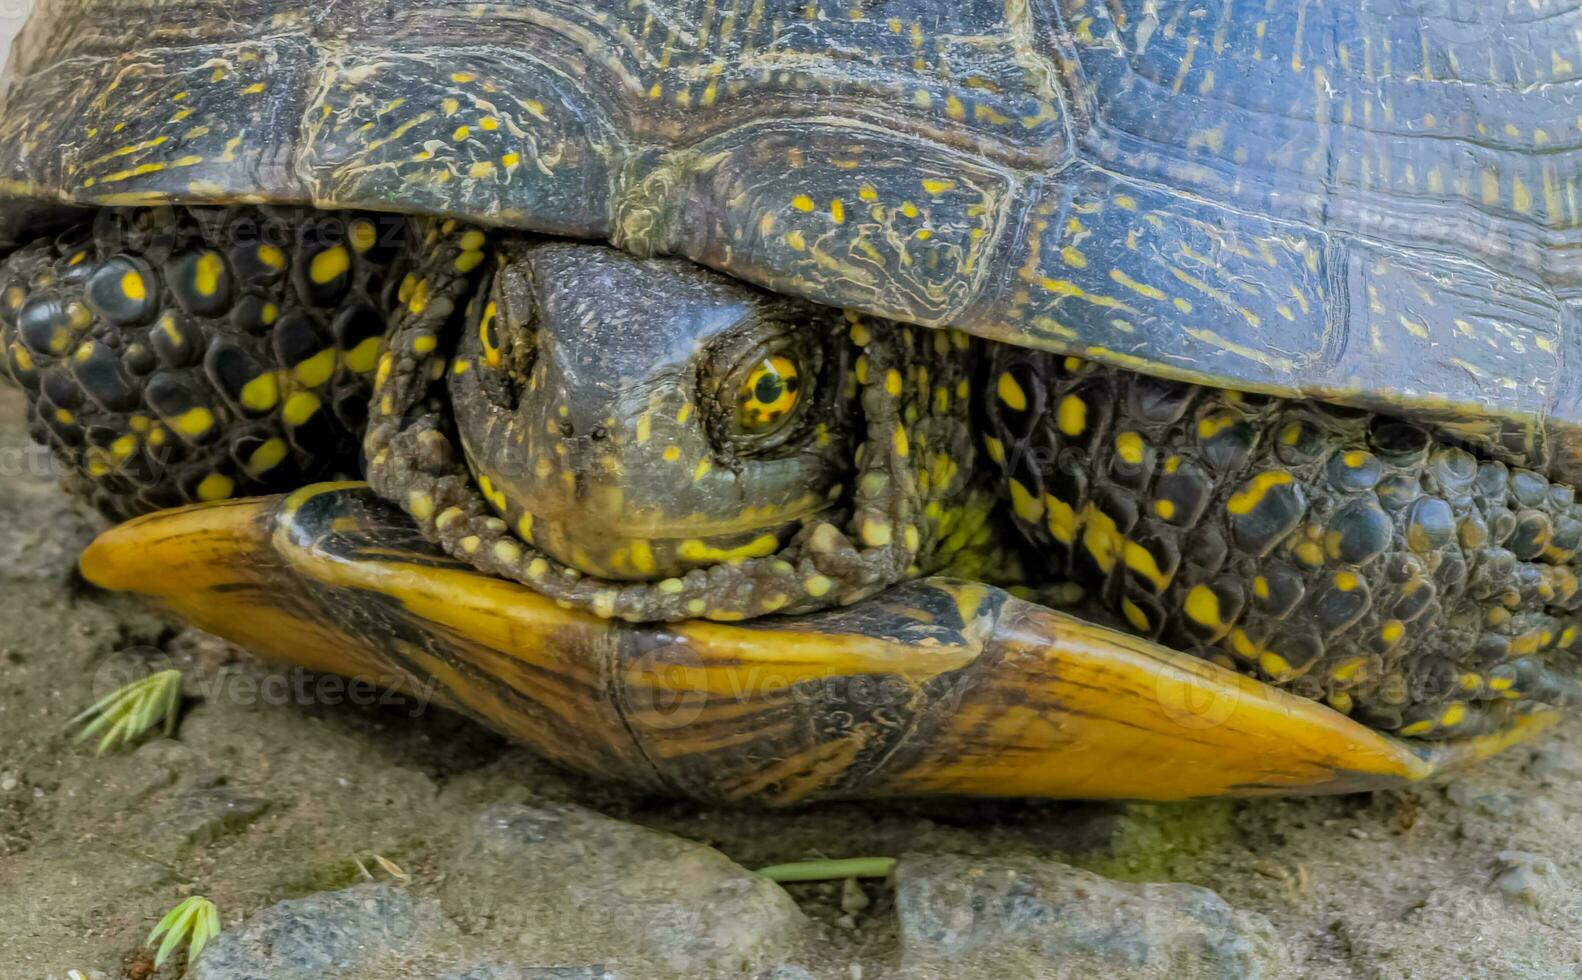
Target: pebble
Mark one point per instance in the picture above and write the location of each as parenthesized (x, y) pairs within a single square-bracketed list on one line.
[(1528, 878), (559, 883), (1014, 916)]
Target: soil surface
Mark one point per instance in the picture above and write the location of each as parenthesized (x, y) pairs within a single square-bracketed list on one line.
[(280, 796)]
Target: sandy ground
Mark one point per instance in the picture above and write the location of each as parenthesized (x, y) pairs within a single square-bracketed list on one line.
[(266, 798)]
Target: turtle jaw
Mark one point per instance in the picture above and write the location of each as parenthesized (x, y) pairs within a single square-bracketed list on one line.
[(933, 688)]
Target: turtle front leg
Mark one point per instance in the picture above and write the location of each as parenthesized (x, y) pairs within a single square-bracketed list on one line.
[(178, 355)]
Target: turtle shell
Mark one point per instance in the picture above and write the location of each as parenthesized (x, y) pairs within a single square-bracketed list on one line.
[(1374, 204)]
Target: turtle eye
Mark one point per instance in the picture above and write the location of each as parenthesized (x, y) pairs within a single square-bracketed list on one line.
[(489, 334), (768, 395)]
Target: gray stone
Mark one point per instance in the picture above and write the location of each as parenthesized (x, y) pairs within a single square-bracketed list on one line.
[(1027, 918), (1529, 878), (329, 936), (202, 816), (555, 883)]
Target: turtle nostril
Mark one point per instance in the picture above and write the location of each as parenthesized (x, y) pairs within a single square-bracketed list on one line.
[(600, 433)]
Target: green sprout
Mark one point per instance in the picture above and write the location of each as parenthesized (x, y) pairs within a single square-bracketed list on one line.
[(196, 917), (125, 714), (830, 870)]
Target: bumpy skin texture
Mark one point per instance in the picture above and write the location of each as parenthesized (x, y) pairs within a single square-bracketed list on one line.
[(180, 355), (1350, 557), (1294, 198)]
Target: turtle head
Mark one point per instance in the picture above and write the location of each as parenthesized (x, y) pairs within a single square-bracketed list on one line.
[(653, 441), (635, 419)]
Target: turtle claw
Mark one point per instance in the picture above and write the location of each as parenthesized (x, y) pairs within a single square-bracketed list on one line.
[(126, 714), (195, 920)]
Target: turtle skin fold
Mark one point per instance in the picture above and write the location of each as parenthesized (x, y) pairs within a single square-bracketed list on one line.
[(1347, 556)]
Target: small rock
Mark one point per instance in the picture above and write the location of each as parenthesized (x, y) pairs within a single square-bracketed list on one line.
[(1526, 877), (1018, 917), (202, 816), (852, 898), (329, 936), (8, 781), (557, 883), (785, 971)]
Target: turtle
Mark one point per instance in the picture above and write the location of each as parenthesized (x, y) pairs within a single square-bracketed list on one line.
[(1252, 323)]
